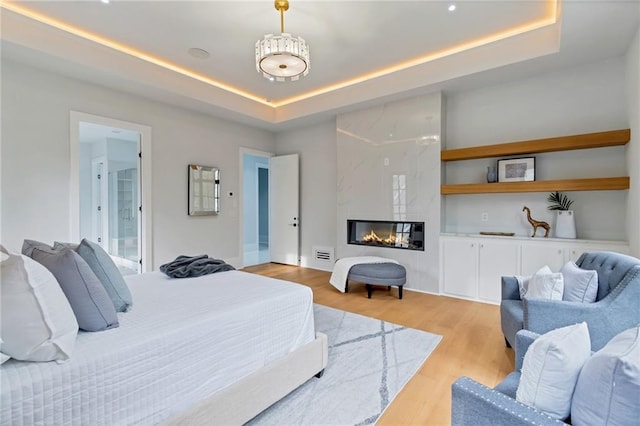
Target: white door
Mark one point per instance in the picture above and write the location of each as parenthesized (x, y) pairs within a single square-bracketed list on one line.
[(283, 207)]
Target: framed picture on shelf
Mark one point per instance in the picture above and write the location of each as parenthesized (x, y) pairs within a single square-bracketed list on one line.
[(517, 169)]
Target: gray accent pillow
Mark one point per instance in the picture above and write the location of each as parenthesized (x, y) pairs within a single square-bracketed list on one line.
[(29, 245), (88, 298), (57, 245), (107, 272)]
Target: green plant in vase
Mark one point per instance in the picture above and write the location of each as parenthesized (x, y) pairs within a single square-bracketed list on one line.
[(559, 201), (565, 219)]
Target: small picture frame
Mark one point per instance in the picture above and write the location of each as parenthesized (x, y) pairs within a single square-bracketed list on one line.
[(517, 169)]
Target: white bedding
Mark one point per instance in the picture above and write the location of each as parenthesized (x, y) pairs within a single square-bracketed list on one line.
[(183, 340)]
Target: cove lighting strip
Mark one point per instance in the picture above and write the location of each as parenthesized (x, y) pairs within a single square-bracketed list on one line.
[(550, 18)]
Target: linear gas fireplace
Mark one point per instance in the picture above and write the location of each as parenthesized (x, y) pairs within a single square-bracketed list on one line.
[(382, 233)]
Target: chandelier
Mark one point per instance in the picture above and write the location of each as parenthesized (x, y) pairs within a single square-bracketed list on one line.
[(283, 56)]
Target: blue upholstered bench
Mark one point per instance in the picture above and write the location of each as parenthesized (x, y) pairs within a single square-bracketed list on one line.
[(389, 274)]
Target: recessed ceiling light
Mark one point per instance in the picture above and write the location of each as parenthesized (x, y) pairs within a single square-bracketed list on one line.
[(452, 7), (105, 1), (196, 52)]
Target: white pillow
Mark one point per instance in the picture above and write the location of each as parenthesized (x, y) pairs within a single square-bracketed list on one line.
[(37, 322), (551, 368), (580, 285), (608, 389), (545, 284), (523, 285)]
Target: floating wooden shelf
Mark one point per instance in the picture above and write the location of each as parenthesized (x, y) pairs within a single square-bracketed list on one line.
[(592, 184), (563, 143)]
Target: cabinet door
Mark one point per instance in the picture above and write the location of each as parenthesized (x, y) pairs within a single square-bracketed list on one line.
[(495, 259), (535, 255), (574, 252), (460, 267)]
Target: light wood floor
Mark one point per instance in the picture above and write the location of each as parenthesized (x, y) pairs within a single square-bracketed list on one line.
[(472, 343)]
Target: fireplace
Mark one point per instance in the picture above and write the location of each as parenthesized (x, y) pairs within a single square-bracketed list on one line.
[(382, 233)]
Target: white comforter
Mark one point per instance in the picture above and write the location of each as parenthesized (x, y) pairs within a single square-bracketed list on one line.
[(183, 340)]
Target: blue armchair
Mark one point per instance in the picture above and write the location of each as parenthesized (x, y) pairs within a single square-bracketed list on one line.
[(474, 404), (616, 307)]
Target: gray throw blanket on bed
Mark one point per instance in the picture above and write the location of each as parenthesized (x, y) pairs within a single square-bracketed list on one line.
[(194, 266)]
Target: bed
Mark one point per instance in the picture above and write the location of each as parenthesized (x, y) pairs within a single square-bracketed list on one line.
[(216, 349)]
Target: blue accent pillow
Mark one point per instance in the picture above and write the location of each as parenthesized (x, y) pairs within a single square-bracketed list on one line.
[(107, 272), (88, 298), (580, 285), (608, 389)]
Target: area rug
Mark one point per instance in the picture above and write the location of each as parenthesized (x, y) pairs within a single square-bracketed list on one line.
[(369, 362)]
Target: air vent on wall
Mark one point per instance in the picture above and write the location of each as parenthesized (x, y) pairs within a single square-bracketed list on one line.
[(323, 254)]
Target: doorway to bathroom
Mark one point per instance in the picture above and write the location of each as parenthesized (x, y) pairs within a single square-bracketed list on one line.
[(110, 172)]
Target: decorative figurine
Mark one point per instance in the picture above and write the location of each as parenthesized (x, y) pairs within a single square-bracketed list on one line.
[(536, 223)]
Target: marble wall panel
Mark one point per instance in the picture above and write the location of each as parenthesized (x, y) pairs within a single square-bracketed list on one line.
[(389, 169)]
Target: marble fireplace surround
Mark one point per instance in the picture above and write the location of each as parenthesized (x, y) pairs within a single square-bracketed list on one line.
[(388, 166)]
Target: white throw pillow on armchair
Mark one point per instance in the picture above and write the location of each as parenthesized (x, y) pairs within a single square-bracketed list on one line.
[(551, 368), (546, 284)]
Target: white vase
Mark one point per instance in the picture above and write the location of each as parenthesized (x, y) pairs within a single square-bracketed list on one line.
[(565, 224)]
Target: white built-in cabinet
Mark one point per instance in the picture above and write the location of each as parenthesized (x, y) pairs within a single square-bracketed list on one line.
[(471, 266)]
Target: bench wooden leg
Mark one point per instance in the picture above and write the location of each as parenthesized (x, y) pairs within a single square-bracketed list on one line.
[(369, 289), (400, 292), (346, 287)]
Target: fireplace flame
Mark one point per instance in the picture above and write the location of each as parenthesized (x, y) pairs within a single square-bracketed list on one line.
[(372, 237)]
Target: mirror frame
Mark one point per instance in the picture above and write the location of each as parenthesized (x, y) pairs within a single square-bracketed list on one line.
[(204, 190)]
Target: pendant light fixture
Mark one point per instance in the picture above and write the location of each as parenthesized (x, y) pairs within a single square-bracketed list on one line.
[(282, 57)]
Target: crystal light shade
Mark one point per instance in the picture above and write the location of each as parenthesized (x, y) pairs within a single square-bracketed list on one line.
[(282, 57)]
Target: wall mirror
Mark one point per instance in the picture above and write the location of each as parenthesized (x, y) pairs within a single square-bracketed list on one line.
[(204, 190)]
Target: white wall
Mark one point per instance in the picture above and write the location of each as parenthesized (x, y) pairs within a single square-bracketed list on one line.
[(316, 146), (588, 98), (633, 149), (35, 162)]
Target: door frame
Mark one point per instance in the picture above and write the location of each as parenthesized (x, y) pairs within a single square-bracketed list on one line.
[(103, 201), (244, 151), (145, 226)]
